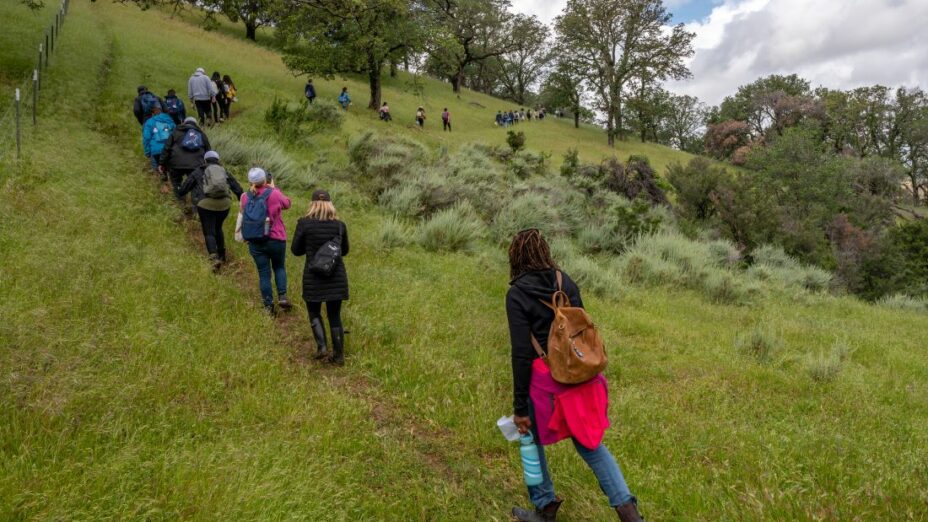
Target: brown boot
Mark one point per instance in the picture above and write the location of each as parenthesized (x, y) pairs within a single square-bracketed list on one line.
[(546, 514), (628, 512)]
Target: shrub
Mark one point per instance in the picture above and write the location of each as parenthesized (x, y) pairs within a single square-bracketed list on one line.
[(761, 344), (723, 287), (293, 122), (403, 200), (515, 140), (825, 367), (904, 302), (244, 153), (773, 264), (592, 276), (524, 164), (695, 184), (526, 211), (452, 229), (394, 233)]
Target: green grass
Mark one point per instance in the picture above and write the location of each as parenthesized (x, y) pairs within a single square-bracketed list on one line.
[(134, 384)]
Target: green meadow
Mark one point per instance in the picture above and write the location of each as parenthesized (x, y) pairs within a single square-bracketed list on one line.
[(136, 384)]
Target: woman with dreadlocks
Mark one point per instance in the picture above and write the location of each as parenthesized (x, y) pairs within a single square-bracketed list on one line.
[(534, 278)]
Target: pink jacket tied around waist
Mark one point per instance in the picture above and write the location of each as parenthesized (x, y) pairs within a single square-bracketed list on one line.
[(562, 410)]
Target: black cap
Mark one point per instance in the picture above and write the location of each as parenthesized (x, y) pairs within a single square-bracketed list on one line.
[(142, 89), (321, 195)]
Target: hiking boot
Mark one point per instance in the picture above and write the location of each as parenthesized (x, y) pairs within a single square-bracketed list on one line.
[(338, 347), (284, 303), (546, 514), (322, 350), (628, 512), (270, 310), (215, 262)]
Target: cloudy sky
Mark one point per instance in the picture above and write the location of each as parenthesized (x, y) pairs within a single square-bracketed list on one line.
[(834, 43)]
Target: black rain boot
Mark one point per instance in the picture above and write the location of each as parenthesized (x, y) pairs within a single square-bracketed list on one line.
[(338, 347), (628, 512), (322, 351), (546, 514)]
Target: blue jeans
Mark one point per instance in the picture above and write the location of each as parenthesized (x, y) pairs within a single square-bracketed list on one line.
[(599, 460), (270, 254), (155, 161)]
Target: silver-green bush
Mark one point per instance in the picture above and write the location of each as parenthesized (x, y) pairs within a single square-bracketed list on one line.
[(452, 229)]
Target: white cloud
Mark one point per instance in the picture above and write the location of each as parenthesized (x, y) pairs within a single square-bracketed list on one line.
[(835, 43)]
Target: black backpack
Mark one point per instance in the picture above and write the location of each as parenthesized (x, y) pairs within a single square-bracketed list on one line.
[(326, 258)]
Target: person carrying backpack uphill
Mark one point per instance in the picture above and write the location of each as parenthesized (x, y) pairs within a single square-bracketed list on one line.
[(155, 134), (174, 107), (144, 103), (183, 153), (262, 227), (560, 392), (323, 239), (310, 91), (344, 99), (210, 187), (200, 92)]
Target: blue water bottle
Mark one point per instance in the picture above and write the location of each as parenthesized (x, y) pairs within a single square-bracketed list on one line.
[(531, 463)]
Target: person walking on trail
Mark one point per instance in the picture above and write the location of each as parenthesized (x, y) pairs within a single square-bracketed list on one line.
[(446, 120), (209, 187), (144, 103), (420, 117), (174, 107), (324, 277), (385, 112), (155, 134), (183, 154), (200, 93), (261, 225), (220, 100), (310, 91), (231, 94), (344, 99), (499, 118), (534, 279)]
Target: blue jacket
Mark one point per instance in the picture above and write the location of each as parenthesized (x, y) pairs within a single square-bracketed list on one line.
[(310, 91), (165, 125), (344, 99)]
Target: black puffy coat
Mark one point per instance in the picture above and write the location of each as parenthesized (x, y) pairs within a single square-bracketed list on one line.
[(527, 317), (175, 156), (309, 237)]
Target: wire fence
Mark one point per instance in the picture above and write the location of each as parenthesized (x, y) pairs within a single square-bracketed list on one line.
[(20, 114)]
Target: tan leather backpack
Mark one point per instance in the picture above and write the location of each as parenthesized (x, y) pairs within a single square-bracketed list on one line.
[(575, 349)]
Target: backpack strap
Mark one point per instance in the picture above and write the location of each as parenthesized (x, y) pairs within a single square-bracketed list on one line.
[(541, 353), (559, 298)]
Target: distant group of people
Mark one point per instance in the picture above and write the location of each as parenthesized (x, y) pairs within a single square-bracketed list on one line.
[(179, 151), (512, 117), (383, 112)]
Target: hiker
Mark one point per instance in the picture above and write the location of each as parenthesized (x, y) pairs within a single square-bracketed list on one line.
[(231, 93), (183, 154), (499, 118), (534, 280), (385, 112), (155, 134), (343, 99), (310, 91), (144, 103), (446, 120), (262, 227), (174, 107), (420, 117), (220, 97), (315, 231), (200, 92), (209, 186)]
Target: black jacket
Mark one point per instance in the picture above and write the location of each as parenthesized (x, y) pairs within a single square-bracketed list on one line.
[(527, 316), (137, 108), (176, 157), (194, 183), (309, 237)]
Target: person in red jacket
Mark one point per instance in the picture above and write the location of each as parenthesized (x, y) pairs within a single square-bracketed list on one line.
[(533, 280)]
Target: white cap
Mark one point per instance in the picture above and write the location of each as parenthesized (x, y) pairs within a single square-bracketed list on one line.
[(257, 175), (211, 155), (201, 70), (190, 119)]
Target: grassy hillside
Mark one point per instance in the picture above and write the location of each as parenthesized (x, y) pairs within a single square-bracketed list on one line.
[(137, 385)]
